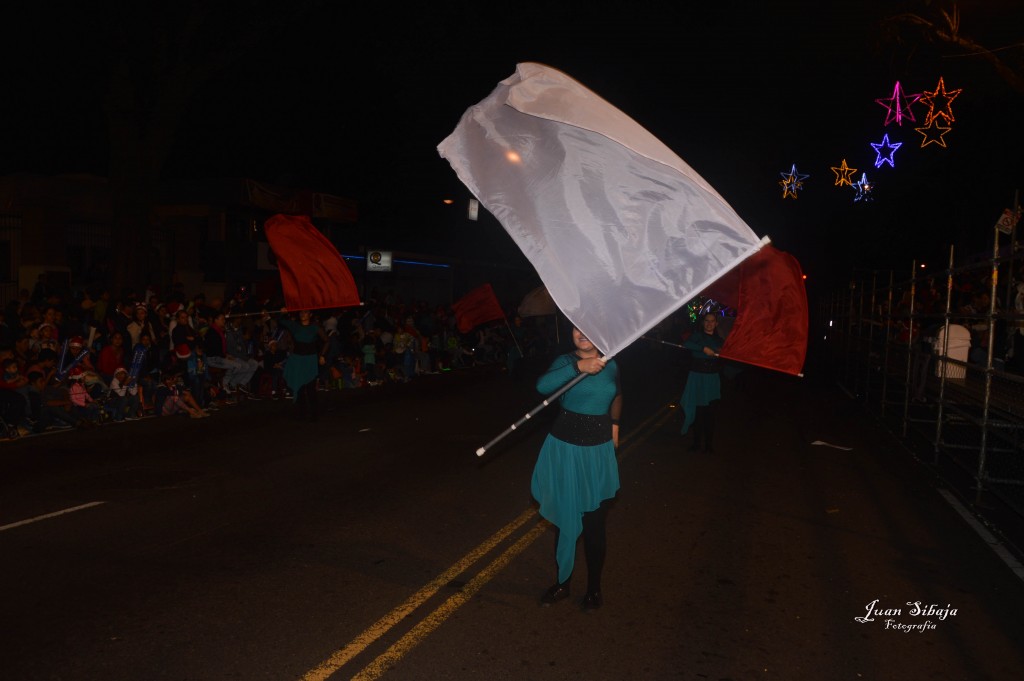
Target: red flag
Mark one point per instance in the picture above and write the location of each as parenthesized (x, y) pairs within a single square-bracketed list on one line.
[(477, 307), (767, 290), (313, 273)]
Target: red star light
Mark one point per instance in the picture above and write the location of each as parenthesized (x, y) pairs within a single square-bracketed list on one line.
[(898, 105)]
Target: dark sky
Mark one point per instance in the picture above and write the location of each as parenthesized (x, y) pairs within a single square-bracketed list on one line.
[(354, 102)]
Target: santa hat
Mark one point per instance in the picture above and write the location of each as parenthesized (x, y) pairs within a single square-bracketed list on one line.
[(76, 374), (182, 351), (120, 370), (76, 342)]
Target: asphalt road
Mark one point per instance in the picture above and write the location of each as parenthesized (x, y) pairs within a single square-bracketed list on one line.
[(376, 544)]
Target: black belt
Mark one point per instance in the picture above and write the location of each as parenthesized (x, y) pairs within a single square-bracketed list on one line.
[(304, 348), (585, 430), (705, 365)]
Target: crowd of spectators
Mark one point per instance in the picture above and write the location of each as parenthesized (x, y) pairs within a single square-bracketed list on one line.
[(91, 359)]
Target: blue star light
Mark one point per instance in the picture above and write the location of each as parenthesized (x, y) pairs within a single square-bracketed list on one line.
[(885, 157), (863, 189), (791, 182)]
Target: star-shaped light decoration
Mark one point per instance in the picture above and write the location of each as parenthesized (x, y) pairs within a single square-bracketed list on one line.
[(843, 173), (939, 101), (791, 182), (933, 133), (898, 105), (885, 157), (864, 189)]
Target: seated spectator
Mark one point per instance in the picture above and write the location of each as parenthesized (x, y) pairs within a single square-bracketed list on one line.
[(14, 400), (197, 376), (172, 398), (79, 354), (83, 404), (273, 365), (112, 355), (51, 404), (125, 397), (238, 371)]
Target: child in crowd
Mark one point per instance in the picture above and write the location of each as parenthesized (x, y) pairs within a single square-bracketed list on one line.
[(125, 396), (51, 404), (171, 399), (82, 403), (273, 364)]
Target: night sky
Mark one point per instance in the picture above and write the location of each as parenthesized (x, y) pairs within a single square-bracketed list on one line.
[(353, 102)]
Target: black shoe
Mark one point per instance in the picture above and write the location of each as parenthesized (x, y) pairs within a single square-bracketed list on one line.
[(559, 592), (592, 601)]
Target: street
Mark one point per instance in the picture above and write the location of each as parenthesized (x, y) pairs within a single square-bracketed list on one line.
[(376, 544)]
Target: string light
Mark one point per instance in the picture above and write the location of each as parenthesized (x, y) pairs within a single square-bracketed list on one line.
[(791, 182), (898, 106), (939, 101), (885, 144), (843, 173), (929, 133)]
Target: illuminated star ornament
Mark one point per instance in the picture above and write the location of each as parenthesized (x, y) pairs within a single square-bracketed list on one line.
[(885, 157), (864, 189), (933, 133), (791, 182), (843, 173), (898, 105), (938, 102)]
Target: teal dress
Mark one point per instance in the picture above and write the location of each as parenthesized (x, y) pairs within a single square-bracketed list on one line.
[(703, 384), (576, 469), (303, 362)]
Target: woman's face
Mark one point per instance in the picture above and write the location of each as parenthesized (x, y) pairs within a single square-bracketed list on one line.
[(304, 316), (116, 339), (581, 341), (710, 323)]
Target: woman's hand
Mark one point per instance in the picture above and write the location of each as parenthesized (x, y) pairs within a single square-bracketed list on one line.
[(591, 365), (615, 435), (709, 352)]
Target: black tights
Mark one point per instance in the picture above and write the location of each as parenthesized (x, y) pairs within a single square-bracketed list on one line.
[(704, 424), (595, 544), (307, 401)]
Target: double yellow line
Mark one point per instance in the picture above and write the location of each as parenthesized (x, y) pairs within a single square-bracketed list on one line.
[(428, 624)]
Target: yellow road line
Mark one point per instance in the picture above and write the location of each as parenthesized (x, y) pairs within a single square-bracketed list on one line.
[(388, 658), (381, 626), (376, 668)]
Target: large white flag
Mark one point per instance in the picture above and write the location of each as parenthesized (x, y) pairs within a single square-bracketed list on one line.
[(621, 230)]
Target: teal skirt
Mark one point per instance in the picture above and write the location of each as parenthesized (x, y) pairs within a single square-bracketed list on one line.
[(701, 390), (568, 481)]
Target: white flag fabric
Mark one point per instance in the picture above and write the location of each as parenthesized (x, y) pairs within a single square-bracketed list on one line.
[(620, 229)]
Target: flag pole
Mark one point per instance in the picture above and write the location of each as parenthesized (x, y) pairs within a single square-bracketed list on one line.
[(733, 359), (509, 327), (289, 310), (533, 412)]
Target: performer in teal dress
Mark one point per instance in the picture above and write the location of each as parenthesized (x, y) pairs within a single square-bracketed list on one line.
[(577, 475), (703, 384), (303, 363)]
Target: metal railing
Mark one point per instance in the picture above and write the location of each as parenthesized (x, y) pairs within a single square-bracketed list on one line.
[(959, 408)]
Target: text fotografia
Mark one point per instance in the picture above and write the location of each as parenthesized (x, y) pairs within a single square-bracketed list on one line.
[(914, 609)]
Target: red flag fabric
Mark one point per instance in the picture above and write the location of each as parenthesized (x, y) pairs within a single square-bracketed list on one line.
[(477, 307), (313, 273), (768, 292)]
